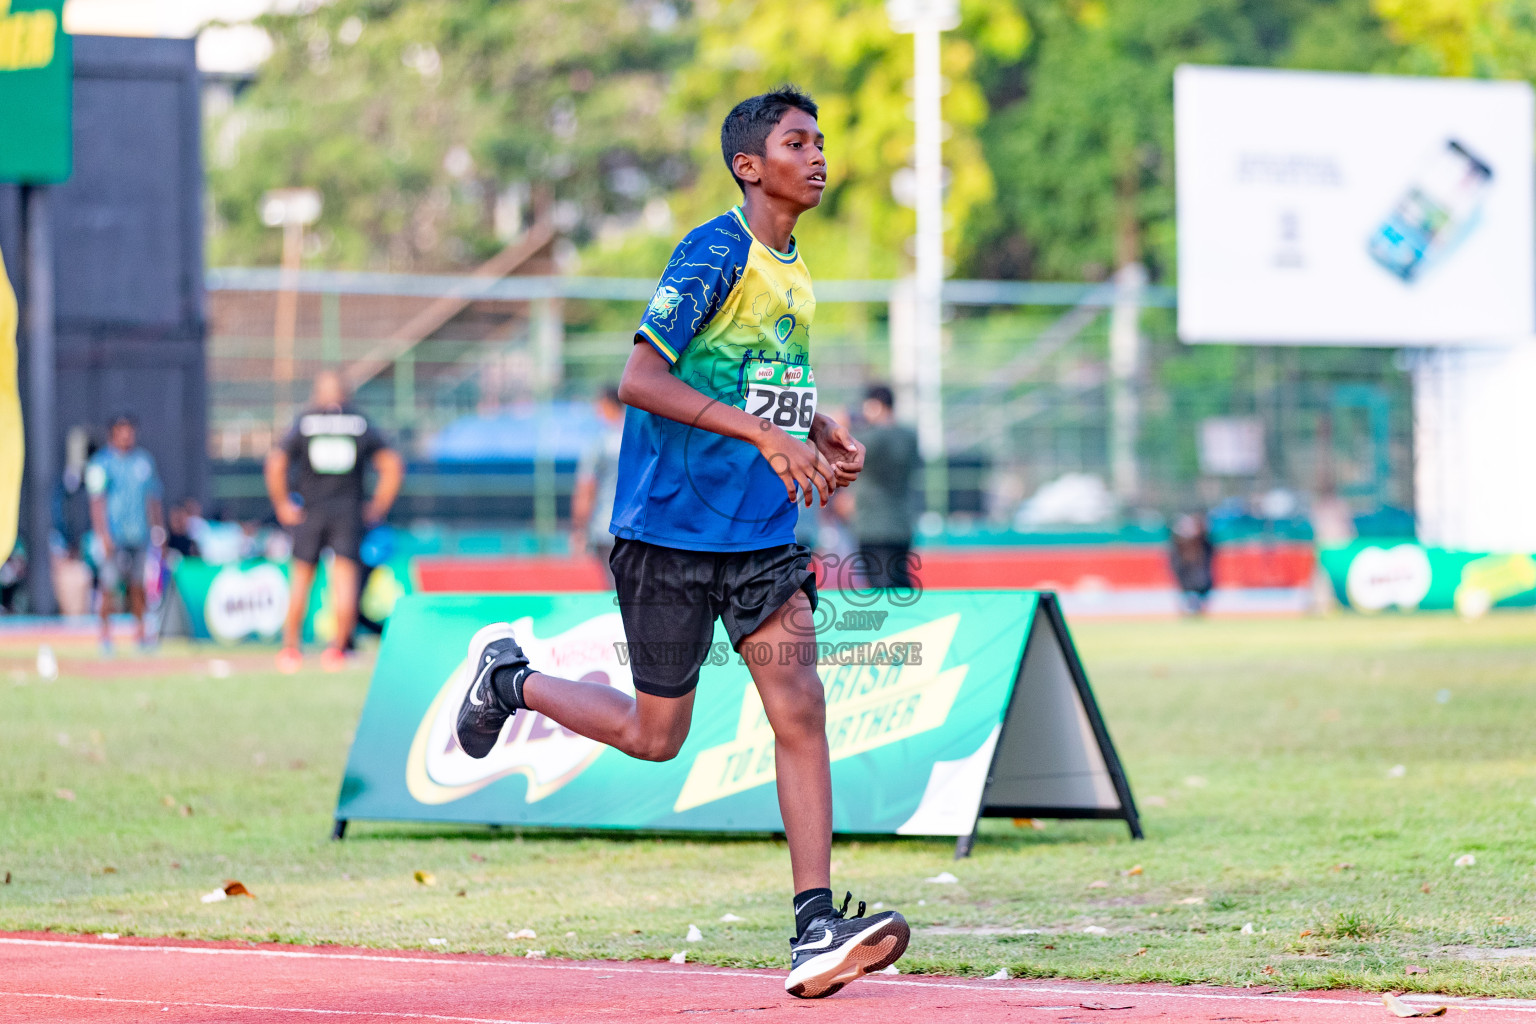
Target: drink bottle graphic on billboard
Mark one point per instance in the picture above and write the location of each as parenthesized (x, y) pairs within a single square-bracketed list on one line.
[(1439, 209)]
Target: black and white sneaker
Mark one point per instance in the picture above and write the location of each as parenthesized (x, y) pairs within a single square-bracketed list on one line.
[(484, 710), (836, 950)]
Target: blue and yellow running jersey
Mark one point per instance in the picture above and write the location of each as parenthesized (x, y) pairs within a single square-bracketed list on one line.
[(733, 319)]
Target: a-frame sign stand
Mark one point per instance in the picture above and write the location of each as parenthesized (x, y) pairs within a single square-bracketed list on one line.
[(1054, 757)]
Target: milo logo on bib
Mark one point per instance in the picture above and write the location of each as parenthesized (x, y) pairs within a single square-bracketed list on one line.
[(782, 394)]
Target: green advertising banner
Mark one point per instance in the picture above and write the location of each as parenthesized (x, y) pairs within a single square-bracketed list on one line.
[(1372, 576), (952, 705), (248, 600), (36, 74)]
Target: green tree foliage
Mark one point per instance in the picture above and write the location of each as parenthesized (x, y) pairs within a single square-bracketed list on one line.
[(846, 53), (1084, 154), (419, 120), (1480, 38)]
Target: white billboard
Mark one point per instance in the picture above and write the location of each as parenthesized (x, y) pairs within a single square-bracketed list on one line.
[(1322, 208)]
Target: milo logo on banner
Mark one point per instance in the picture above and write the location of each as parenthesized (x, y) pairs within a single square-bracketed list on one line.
[(246, 602), (548, 755)]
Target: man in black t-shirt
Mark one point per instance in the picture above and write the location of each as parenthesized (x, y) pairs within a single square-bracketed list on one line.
[(327, 450)]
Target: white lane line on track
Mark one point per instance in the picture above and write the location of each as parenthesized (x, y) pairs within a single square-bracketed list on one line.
[(276, 1009), (1515, 1005)]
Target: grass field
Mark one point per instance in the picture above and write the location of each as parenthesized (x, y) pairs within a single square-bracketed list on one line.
[(1262, 754)]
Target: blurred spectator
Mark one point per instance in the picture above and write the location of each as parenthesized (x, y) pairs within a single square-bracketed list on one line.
[(328, 446), (882, 497), (179, 527), (597, 478), (1192, 554), (73, 575), (13, 576), (126, 520)]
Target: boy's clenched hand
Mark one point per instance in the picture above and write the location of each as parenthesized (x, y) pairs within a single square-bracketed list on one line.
[(839, 448), (798, 464)]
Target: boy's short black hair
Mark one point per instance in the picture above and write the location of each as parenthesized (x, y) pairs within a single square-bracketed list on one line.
[(882, 394), (746, 127)]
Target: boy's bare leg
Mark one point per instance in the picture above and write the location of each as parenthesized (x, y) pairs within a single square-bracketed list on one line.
[(344, 587), (795, 703), (644, 726)]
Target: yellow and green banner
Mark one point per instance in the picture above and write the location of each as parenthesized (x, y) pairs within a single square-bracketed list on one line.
[(1403, 575), (940, 708), (36, 74), (11, 448), (248, 600)]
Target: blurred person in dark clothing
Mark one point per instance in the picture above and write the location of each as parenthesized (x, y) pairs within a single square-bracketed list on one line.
[(882, 514), (1191, 554), (597, 482), (330, 445)]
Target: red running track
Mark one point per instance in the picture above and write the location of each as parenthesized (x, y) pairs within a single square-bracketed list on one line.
[(88, 979)]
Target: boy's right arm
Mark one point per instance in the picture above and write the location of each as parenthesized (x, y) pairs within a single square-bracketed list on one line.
[(649, 385)]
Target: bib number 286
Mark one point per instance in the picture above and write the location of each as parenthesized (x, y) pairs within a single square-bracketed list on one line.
[(790, 408)]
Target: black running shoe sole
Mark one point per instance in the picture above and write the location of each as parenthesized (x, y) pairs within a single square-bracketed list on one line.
[(872, 950)]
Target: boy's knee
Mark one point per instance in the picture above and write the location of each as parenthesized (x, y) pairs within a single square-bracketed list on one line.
[(651, 749)]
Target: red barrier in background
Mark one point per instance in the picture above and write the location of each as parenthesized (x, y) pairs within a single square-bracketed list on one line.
[(1065, 568)]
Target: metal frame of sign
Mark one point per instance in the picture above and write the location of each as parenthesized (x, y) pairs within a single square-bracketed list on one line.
[(1050, 611)]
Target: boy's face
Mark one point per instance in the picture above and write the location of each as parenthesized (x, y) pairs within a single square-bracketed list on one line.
[(792, 167)]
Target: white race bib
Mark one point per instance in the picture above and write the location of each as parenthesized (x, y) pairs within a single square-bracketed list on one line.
[(784, 394), (332, 455)]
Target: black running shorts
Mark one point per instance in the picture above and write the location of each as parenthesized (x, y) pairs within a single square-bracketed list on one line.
[(670, 600), (338, 527)]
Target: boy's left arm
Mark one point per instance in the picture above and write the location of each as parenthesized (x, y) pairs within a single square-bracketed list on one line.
[(839, 447)]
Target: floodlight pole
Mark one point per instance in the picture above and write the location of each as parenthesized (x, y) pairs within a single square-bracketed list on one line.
[(42, 380), (926, 19)]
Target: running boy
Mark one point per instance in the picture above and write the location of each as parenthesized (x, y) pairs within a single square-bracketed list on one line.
[(721, 441)]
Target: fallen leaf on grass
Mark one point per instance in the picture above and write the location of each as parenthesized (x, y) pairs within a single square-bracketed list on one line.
[(1416, 969), (186, 810), (461, 892), (234, 888), (1344, 867), (1426, 887), (943, 878), (680, 957), (64, 794), (109, 870), (1502, 920), (168, 800), (1140, 952), (1133, 870), (534, 954), (1190, 901), (1098, 885), (1307, 932), (694, 935), (1267, 969), (730, 918), (1402, 1009), (7, 879), (523, 933), (477, 858), (1466, 860), (424, 877), (1001, 975)]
